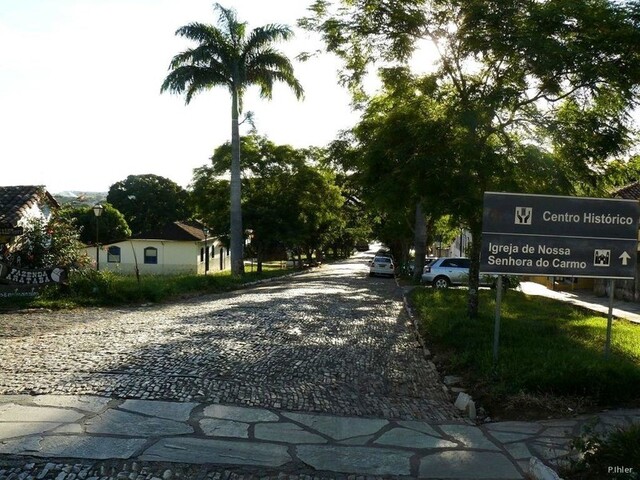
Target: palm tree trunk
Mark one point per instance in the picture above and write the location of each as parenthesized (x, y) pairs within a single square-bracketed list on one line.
[(237, 236)]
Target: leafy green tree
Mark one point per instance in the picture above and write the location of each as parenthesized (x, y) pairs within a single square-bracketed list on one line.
[(557, 72), (228, 56), (112, 226), (407, 164), (622, 172), (341, 158), (289, 200), (148, 201), (318, 202), (209, 201), (47, 244)]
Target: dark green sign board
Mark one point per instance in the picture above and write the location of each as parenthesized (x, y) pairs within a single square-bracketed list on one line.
[(559, 236)]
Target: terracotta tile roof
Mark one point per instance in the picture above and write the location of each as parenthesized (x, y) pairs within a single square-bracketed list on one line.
[(629, 192), (16, 200), (185, 231)]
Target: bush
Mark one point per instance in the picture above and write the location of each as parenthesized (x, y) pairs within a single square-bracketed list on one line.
[(615, 455), (88, 287)]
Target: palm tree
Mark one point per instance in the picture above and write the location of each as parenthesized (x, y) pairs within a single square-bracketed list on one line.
[(227, 56)]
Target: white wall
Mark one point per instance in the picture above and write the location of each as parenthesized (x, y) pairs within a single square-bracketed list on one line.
[(39, 210), (174, 257)]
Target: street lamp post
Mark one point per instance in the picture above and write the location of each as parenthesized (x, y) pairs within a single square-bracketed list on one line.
[(205, 230), (97, 211)]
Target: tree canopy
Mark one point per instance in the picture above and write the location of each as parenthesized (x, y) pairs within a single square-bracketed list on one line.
[(148, 201), (112, 226), (560, 75), (290, 201)]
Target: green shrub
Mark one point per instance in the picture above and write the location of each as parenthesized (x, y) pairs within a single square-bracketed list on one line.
[(615, 455)]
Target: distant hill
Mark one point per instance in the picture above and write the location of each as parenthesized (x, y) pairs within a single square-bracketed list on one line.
[(80, 199)]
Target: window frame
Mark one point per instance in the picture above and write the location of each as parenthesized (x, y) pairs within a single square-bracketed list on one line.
[(114, 257), (148, 258)]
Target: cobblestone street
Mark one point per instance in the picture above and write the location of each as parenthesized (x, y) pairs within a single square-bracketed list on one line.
[(331, 341)]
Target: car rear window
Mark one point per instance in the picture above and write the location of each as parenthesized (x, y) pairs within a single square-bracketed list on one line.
[(382, 260)]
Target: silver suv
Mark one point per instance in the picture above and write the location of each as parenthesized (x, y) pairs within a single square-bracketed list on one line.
[(446, 271)]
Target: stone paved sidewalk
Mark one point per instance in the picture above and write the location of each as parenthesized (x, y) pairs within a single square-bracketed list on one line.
[(586, 299), (268, 440)]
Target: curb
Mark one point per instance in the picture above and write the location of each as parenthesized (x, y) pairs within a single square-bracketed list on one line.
[(428, 355)]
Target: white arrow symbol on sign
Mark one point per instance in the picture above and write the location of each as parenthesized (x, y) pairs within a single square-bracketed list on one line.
[(625, 258)]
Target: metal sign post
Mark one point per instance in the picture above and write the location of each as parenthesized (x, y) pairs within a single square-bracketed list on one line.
[(555, 236), (607, 345), (496, 327)]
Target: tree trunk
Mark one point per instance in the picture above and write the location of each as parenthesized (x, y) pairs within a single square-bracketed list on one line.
[(474, 268), (237, 235), (259, 260), (420, 242)]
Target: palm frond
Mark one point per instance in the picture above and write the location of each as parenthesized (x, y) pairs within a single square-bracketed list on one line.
[(266, 78), (228, 21), (202, 33), (264, 36), (192, 79), (203, 56), (269, 66), (225, 56)]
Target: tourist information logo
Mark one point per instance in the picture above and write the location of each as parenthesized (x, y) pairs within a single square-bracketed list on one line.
[(559, 236)]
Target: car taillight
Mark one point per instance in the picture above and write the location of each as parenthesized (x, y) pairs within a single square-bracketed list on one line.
[(427, 269)]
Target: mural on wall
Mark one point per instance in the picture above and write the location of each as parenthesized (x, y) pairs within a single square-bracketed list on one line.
[(16, 281)]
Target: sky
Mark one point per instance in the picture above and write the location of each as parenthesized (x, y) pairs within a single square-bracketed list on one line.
[(80, 102)]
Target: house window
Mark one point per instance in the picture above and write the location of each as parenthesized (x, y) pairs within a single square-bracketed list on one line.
[(202, 254), (151, 255), (113, 255)]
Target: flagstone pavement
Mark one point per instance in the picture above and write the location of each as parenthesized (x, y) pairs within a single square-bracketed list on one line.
[(248, 442)]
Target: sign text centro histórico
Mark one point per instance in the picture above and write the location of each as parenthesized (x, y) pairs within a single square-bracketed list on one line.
[(559, 236)]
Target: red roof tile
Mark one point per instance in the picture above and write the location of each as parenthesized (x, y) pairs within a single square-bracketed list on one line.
[(185, 231), (629, 192)]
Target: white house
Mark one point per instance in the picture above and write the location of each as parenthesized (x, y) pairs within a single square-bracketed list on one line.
[(21, 204), (178, 247)]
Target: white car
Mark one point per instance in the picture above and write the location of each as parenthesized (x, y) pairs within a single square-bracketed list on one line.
[(381, 266)]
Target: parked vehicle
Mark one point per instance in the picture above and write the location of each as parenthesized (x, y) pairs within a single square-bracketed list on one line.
[(362, 246), (384, 252), (446, 271), (381, 266), (411, 264)]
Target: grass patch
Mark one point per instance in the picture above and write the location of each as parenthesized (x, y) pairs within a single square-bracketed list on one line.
[(104, 288), (546, 347)]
